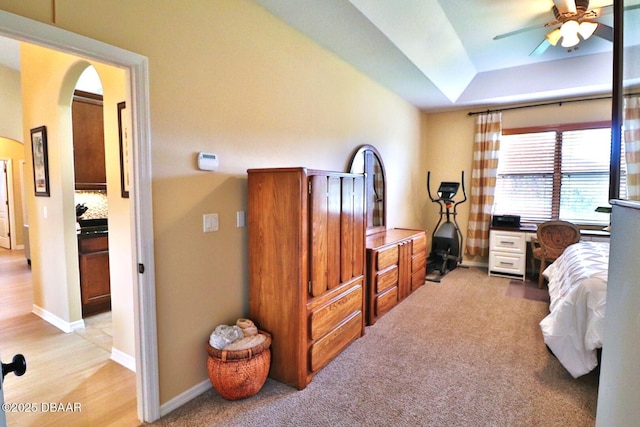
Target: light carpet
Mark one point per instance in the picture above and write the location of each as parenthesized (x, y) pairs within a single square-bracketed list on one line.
[(456, 353)]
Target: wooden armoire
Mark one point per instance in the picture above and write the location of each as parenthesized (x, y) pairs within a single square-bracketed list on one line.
[(306, 266)]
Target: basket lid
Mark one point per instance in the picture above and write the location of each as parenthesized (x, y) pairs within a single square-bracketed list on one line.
[(239, 354)]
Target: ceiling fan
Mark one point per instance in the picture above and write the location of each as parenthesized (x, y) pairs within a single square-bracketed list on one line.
[(573, 21)]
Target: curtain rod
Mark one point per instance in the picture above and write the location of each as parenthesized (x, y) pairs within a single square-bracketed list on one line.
[(558, 103)]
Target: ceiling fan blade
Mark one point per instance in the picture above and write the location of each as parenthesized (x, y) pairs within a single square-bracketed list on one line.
[(566, 6), (604, 31), (542, 48), (524, 30)]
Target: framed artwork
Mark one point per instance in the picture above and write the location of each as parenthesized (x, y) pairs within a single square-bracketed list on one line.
[(40, 161), (123, 132)]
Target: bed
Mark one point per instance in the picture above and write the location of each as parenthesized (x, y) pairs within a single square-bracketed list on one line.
[(574, 328)]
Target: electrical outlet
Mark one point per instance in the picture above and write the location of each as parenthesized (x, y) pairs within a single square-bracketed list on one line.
[(209, 222)]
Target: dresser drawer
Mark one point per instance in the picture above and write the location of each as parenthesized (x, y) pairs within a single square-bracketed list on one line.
[(386, 301), (419, 263), (387, 257), (325, 318), (329, 346), (505, 241), (505, 262), (386, 279), (417, 279), (420, 244)]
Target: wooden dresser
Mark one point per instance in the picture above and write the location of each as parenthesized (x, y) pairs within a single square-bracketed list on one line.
[(306, 266), (396, 266)]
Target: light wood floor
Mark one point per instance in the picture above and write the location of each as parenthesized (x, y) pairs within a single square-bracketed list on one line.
[(71, 369)]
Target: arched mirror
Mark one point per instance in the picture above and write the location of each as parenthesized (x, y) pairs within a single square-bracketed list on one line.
[(367, 160)]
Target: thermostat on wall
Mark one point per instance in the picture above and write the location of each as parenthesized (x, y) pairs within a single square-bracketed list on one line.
[(207, 162)]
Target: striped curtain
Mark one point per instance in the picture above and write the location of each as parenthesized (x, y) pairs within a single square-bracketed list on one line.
[(486, 145), (632, 145)]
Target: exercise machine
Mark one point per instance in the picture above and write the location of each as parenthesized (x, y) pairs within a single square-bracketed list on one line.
[(446, 242)]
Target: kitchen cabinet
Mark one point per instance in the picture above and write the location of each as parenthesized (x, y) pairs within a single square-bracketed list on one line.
[(88, 142), (396, 266), (95, 284), (306, 266)]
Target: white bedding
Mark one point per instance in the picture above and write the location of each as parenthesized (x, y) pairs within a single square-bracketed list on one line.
[(574, 328)]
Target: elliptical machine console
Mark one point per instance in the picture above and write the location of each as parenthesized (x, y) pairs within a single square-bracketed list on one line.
[(446, 242)]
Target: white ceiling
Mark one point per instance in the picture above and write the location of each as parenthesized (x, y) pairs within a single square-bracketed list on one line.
[(441, 54)]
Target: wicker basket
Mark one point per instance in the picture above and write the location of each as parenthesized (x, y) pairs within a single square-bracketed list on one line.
[(241, 373)]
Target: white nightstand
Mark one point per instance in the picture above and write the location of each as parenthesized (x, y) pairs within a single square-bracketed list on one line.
[(508, 253)]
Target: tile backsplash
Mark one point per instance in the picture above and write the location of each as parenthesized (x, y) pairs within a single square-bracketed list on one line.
[(96, 201)]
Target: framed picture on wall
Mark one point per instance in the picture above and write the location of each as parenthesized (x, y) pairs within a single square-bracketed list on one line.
[(40, 161), (123, 132)]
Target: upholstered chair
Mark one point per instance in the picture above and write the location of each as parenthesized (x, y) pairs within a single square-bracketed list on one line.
[(552, 238)]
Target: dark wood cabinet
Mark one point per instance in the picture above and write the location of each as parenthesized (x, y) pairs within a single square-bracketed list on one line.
[(95, 284), (396, 266), (306, 266), (88, 142)]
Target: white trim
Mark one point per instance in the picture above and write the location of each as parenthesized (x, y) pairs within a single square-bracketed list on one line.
[(56, 321), (148, 383), (11, 207), (185, 397), (123, 359), (34, 32)]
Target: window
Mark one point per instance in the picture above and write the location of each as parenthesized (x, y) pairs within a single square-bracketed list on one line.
[(555, 173)]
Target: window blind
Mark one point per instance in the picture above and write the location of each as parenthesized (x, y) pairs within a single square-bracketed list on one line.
[(585, 174), (555, 174), (525, 175)]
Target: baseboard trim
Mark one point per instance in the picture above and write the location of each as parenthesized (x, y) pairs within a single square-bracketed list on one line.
[(123, 359), (185, 397), (59, 323)]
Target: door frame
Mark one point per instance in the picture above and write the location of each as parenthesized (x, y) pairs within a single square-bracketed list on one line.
[(144, 299)]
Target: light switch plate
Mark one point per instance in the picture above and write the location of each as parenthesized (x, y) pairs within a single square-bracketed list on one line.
[(240, 219), (210, 222)]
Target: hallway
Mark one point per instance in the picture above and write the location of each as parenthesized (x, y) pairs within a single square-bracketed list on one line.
[(64, 371)]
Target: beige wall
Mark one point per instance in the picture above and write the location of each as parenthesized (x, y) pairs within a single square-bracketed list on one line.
[(449, 143), (11, 143), (227, 77), (10, 104)]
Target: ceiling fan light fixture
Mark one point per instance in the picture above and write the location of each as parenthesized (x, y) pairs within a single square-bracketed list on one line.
[(569, 31), (586, 29)]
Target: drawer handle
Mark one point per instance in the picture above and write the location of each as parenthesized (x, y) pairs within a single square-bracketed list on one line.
[(505, 263), (506, 243)]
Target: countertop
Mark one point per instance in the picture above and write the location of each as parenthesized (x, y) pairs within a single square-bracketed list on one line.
[(91, 232), (90, 228)]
